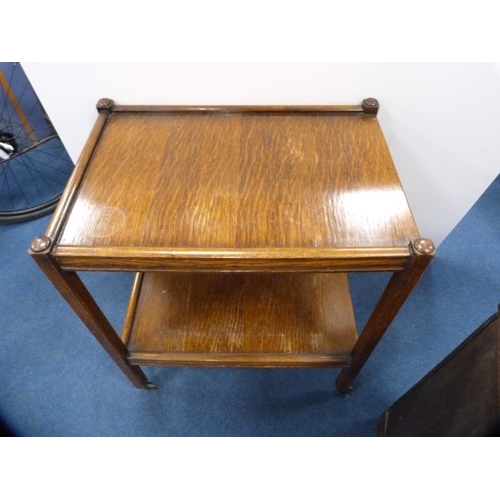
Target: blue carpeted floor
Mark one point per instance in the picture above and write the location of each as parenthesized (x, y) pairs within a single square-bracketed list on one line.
[(55, 380)]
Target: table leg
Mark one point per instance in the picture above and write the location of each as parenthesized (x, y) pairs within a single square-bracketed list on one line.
[(394, 296), (81, 301)]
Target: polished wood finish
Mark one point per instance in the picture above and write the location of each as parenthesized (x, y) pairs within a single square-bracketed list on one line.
[(243, 319), (394, 296), (240, 181), (240, 221), (71, 190), (70, 286), (228, 259), (132, 305), (370, 106), (105, 104), (225, 110)]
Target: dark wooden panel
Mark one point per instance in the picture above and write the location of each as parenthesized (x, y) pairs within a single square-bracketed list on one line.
[(279, 318), (459, 397)]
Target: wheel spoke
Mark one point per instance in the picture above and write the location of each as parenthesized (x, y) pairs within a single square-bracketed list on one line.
[(33, 178)]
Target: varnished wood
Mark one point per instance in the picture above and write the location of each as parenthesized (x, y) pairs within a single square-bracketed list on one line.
[(247, 360), (132, 305), (240, 319), (240, 207), (394, 296), (338, 109), (240, 181), (105, 105), (228, 259), (65, 203), (77, 296), (370, 106), (40, 244)]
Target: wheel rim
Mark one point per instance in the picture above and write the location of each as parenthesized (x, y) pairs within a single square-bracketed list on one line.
[(34, 165)]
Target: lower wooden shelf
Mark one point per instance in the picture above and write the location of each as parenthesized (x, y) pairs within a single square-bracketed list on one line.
[(240, 319)]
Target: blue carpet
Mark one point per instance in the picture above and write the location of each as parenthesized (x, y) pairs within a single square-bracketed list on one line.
[(55, 380)]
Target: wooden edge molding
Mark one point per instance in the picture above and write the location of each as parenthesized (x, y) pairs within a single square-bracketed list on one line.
[(232, 253), (334, 109), (264, 260), (243, 360), (62, 211), (368, 106)]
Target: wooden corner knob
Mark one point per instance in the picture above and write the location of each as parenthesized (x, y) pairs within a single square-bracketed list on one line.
[(105, 104), (424, 246), (370, 106), (40, 244)]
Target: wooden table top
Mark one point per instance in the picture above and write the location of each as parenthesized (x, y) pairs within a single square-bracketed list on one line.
[(235, 179)]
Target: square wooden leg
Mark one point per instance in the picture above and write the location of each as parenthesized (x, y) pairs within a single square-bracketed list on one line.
[(394, 296), (81, 301)]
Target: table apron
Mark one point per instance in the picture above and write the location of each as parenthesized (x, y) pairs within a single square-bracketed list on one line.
[(230, 260)]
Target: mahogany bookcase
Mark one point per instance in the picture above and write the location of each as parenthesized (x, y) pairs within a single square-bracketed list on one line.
[(240, 224)]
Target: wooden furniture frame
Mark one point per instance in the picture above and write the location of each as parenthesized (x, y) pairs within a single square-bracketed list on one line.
[(241, 224)]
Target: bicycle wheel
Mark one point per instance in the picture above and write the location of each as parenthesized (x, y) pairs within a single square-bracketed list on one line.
[(34, 165)]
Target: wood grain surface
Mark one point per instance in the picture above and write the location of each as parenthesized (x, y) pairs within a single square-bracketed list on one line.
[(240, 180), (243, 319), (290, 198), (230, 259)]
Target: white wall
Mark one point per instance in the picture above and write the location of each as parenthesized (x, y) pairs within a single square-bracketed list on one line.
[(441, 120)]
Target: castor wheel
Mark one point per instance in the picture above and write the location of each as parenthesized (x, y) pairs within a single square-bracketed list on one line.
[(151, 387)]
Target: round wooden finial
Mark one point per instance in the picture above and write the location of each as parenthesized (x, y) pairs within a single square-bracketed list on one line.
[(370, 106), (40, 244), (105, 104), (424, 246)]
